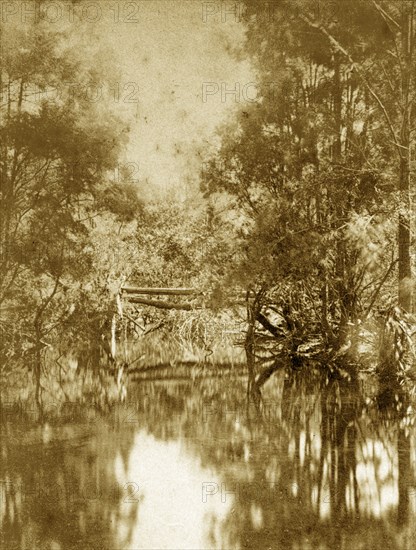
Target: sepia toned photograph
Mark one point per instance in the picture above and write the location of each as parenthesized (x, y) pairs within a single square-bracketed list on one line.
[(207, 290)]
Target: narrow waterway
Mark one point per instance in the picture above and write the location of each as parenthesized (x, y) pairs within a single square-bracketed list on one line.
[(189, 464)]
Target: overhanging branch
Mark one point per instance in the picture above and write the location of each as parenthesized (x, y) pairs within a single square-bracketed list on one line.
[(360, 72)]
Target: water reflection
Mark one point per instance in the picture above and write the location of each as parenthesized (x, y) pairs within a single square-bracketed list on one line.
[(172, 513), (190, 464)]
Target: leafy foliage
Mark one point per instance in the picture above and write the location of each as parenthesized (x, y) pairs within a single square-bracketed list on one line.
[(57, 148), (313, 165)]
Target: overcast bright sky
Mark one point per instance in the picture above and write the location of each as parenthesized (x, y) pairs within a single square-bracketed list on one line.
[(169, 52)]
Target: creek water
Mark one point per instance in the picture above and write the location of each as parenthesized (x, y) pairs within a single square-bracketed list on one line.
[(191, 463)]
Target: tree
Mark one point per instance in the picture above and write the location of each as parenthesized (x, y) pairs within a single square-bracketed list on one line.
[(310, 165), (384, 64), (386, 70), (57, 148)]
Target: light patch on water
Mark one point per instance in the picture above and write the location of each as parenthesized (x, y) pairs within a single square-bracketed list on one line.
[(292, 449), (325, 508), (377, 478), (294, 489), (168, 509), (247, 453), (256, 514), (302, 447), (46, 433)]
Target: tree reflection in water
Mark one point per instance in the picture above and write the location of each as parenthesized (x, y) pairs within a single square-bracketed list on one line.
[(58, 490), (328, 464)]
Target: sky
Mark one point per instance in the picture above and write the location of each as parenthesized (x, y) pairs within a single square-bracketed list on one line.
[(176, 65), (176, 72)]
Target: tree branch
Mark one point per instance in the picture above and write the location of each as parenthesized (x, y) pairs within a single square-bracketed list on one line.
[(265, 323), (385, 15), (377, 291), (360, 72)]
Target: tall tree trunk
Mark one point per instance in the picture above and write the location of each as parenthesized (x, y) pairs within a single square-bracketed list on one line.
[(404, 229), (339, 209), (404, 233)]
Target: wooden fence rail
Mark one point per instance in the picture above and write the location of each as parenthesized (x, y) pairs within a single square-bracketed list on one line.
[(138, 295), (161, 291)]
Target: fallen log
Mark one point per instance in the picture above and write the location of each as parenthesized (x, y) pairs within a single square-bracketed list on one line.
[(161, 291), (162, 304)]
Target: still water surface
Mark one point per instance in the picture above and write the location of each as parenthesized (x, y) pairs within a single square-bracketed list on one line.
[(187, 464)]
